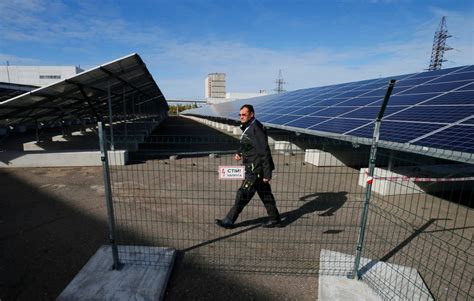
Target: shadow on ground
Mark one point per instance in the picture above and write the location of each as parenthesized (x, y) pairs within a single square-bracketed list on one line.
[(46, 240), (328, 202)]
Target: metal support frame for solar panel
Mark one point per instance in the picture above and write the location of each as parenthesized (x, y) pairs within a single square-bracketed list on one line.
[(433, 104), (83, 95), (10, 90)]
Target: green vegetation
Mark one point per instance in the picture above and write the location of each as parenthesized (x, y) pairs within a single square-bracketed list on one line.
[(180, 108)]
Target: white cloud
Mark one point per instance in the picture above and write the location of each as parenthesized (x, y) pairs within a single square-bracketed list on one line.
[(17, 59), (181, 66)]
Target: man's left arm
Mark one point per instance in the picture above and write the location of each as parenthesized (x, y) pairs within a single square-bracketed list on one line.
[(263, 152)]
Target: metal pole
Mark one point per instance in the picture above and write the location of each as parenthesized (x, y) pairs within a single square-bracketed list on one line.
[(390, 161), (37, 130), (109, 100), (125, 111), (133, 105), (108, 195), (368, 190)]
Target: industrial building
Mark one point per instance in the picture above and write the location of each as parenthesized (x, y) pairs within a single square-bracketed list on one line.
[(38, 76), (215, 85), (215, 90)]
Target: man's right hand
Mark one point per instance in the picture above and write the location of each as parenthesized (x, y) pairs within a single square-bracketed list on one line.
[(237, 157)]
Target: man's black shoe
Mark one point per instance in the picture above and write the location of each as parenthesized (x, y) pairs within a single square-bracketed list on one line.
[(272, 224), (225, 224)]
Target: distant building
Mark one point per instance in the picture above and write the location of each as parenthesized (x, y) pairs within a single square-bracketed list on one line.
[(215, 90), (36, 75), (215, 85)]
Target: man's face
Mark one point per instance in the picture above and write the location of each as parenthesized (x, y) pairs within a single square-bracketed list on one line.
[(245, 115)]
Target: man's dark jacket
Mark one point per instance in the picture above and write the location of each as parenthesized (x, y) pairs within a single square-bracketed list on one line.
[(255, 150)]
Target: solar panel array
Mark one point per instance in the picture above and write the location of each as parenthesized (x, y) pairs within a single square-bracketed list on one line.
[(433, 109), (85, 95)]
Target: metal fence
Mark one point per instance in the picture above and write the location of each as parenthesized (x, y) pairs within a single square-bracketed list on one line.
[(418, 239), (420, 227)]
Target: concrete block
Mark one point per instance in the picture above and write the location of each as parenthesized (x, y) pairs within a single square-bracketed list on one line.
[(60, 138), (394, 282), (336, 288), (286, 146), (388, 182), (58, 159), (78, 133), (319, 158), (98, 281), (237, 131), (32, 146)]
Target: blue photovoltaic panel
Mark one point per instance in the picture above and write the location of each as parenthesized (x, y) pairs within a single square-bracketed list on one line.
[(268, 110), (454, 77), (430, 88), (306, 122), (412, 99), (469, 87), (433, 109), (267, 117), (371, 113), (351, 94), (465, 69), (457, 137), (468, 121), (397, 131), (282, 119), (441, 72), (332, 111), (284, 111), (305, 110), (377, 92), (331, 102), (404, 83), (339, 125), (454, 98), (360, 101), (436, 114)]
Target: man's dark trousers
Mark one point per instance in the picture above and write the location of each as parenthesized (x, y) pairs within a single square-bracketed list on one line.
[(254, 183)]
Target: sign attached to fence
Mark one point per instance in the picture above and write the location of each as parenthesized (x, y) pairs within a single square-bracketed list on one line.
[(231, 172)]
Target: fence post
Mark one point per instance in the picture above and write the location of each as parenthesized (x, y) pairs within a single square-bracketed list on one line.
[(368, 190), (111, 120), (108, 195)]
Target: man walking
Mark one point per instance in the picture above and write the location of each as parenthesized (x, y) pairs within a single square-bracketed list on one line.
[(256, 156)]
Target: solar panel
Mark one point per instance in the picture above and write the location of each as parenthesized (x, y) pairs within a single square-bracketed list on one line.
[(436, 114), (85, 95), (433, 109), (397, 131), (457, 137)]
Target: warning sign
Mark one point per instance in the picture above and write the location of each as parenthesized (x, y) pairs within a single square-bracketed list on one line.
[(231, 172)]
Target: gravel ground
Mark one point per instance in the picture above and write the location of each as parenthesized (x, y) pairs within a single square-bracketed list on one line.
[(52, 220)]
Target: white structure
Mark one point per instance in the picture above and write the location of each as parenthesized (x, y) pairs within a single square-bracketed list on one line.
[(244, 95), (235, 95), (215, 85), (36, 75)]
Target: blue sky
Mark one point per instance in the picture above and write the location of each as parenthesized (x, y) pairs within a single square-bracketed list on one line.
[(314, 43)]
